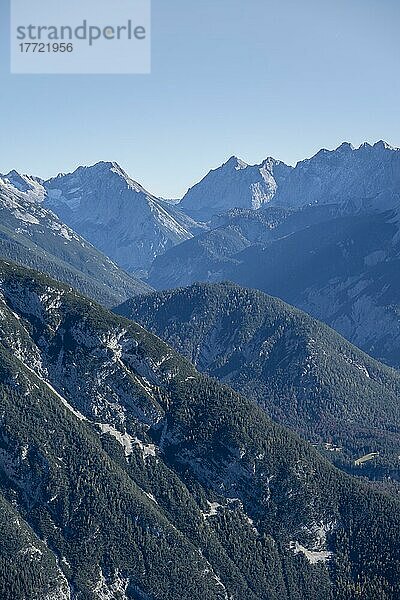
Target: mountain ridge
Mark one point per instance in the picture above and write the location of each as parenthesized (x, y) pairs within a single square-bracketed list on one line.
[(333, 251), (311, 180)]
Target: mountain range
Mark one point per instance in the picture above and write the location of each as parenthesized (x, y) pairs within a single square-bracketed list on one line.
[(323, 235), (327, 241), (352, 178), (125, 474), (128, 474)]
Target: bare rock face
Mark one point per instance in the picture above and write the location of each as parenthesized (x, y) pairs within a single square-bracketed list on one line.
[(117, 215), (354, 178), (36, 237), (234, 185)]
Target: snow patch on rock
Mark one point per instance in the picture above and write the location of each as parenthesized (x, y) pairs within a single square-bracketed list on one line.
[(114, 589), (318, 551)]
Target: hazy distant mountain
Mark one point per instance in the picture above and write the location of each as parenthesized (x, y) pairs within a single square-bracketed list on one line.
[(234, 185), (209, 255), (35, 237), (344, 272), (334, 251), (354, 178), (125, 474), (303, 373), (117, 215)]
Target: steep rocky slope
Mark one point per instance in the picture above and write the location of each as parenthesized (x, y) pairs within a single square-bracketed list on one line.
[(137, 478), (344, 272), (35, 237), (117, 215), (235, 184), (354, 178)]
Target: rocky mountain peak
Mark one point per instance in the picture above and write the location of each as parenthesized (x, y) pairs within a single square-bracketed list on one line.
[(235, 163), (116, 214)]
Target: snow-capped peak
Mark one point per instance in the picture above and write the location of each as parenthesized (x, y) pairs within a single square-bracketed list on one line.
[(345, 147), (23, 183), (105, 167), (236, 163), (235, 184), (385, 146), (31, 187), (117, 214), (101, 171)]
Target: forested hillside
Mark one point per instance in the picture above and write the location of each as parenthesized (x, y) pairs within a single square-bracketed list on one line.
[(129, 475), (300, 371)]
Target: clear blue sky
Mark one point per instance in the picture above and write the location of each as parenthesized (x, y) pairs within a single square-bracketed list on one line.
[(247, 77)]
